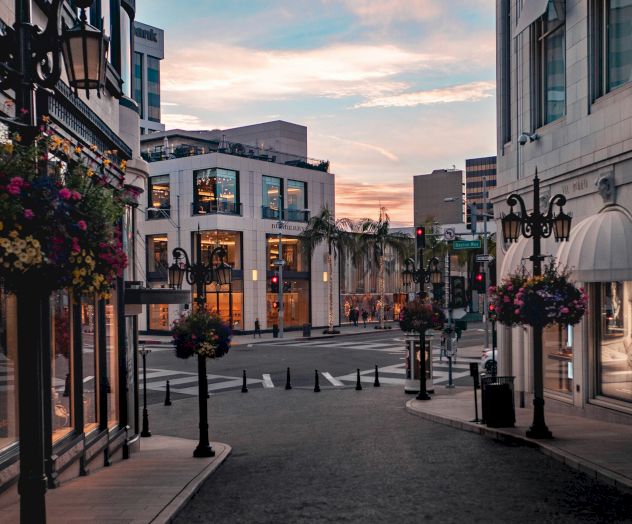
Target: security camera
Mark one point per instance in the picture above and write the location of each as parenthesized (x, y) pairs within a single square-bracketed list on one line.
[(527, 137)]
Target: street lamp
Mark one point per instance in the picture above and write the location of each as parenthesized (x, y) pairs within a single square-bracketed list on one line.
[(30, 59), (431, 274), (145, 431), (537, 226), (200, 274)]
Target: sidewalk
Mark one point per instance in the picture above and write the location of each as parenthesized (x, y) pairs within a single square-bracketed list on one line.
[(151, 486), (602, 450)]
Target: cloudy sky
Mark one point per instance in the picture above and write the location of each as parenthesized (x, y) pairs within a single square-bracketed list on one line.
[(387, 88)]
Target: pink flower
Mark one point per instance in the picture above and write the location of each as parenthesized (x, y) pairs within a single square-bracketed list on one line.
[(564, 310), (82, 225), (75, 248), (65, 193), (517, 311), (76, 195), (28, 213), (17, 181), (13, 190)]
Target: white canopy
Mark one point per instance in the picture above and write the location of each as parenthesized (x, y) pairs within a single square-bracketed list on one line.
[(600, 247), (531, 11), (518, 254)]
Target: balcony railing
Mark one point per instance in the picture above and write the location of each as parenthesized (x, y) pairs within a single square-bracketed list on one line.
[(160, 152), (291, 215), (222, 208), (155, 214)]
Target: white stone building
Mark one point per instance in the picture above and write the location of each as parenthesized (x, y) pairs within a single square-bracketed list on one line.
[(235, 185), (564, 74)]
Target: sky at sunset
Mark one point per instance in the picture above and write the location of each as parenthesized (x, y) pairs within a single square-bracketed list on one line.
[(387, 88)]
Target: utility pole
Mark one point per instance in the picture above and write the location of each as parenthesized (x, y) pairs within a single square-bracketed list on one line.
[(448, 342), (485, 263), (280, 263)]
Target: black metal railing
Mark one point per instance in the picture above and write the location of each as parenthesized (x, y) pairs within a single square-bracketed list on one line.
[(222, 208), (154, 214), (291, 215)]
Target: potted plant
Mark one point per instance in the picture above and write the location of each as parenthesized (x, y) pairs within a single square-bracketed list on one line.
[(201, 333)]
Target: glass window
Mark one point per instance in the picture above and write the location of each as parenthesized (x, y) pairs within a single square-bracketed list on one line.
[(296, 201), (229, 240), (295, 304), (61, 366), (8, 370), (272, 197), (153, 89), (112, 359), (157, 258), (550, 52), (619, 43), (159, 197), (126, 53), (615, 339), (138, 82), (90, 365), (215, 191), (219, 301), (295, 258), (558, 358), (158, 317)]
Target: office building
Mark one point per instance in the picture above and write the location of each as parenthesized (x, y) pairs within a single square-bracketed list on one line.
[(149, 50), (477, 169), (438, 196)]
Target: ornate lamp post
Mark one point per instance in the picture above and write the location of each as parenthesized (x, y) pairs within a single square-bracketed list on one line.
[(537, 226), (145, 431), (31, 59), (430, 274), (200, 274)]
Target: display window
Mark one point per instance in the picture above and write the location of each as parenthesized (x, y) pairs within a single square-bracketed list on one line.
[(558, 358), (112, 360), (8, 370), (615, 339), (90, 365), (158, 317), (159, 197), (222, 300), (295, 304), (216, 191), (157, 258), (294, 257), (229, 240), (61, 365)]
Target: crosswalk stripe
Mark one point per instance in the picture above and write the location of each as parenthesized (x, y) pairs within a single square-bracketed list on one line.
[(267, 381), (331, 379)]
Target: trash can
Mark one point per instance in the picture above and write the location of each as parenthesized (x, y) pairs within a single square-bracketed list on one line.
[(498, 401), (275, 331), (307, 330)]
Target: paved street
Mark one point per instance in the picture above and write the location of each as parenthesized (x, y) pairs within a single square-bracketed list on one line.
[(357, 456)]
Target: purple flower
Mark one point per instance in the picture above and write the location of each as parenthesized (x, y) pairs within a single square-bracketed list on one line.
[(65, 193), (28, 214), (82, 225)]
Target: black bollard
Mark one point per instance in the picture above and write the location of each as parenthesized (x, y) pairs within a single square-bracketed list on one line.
[(316, 386), (358, 385), (244, 388), (376, 382), (288, 384), (167, 395)]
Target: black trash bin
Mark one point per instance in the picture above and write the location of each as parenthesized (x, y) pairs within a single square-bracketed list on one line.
[(275, 331), (498, 402), (307, 330)]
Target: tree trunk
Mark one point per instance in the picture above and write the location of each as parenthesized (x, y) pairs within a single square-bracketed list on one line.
[(381, 290), (330, 281)]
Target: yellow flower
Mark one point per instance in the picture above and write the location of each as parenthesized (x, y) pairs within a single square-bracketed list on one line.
[(93, 147), (13, 234), (106, 162), (23, 257), (4, 242), (45, 119), (17, 137), (123, 165), (8, 147), (90, 172), (78, 150)]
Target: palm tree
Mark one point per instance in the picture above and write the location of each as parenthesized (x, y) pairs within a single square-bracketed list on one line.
[(324, 228), (376, 237)]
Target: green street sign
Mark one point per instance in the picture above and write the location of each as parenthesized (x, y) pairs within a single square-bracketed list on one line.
[(466, 244)]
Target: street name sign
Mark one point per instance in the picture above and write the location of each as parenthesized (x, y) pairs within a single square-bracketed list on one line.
[(466, 244), (484, 258), (449, 234)]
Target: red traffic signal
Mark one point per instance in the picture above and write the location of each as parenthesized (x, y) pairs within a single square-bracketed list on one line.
[(275, 279), (275, 305), (479, 277), (420, 234), (420, 231)]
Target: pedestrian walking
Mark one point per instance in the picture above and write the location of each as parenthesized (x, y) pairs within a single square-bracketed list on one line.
[(356, 316), (257, 328), (365, 315)]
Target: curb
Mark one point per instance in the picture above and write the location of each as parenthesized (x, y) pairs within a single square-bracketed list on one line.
[(171, 510), (316, 337), (592, 470)]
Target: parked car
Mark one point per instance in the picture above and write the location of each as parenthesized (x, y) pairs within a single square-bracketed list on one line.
[(487, 361)]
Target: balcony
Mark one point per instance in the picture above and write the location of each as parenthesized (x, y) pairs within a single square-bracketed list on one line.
[(216, 208), (157, 213), (291, 215)]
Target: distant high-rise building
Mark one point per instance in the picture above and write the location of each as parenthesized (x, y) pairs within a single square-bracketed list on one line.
[(149, 50), (475, 170), (439, 196)]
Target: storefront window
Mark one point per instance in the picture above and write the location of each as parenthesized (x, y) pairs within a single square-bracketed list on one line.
[(157, 258), (272, 197), (615, 339), (112, 359), (558, 358), (295, 304), (220, 298), (295, 258), (296, 201), (90, 365), (159, 197), (229, 240), (158, 317), (61, 366), (8, 370), (216, 191)]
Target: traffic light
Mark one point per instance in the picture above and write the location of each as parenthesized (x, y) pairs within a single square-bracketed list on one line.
[(274, 283), (478, 282), (457, 292), (275, 305), (472, 216), (438, 292), (420, 235)]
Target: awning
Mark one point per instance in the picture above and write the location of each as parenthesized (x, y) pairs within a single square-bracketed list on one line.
[(531, 11), (157, 296), (600, 247), (518, 254)]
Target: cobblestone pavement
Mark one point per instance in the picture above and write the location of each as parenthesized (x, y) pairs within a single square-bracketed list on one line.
[(357, 456)]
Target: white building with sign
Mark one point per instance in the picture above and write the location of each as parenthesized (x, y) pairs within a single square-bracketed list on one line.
[(240, 187), (149, 50)]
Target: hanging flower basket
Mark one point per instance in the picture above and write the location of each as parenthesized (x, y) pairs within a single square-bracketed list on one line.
[(200, 333), (550, 299), (58, 218), (502, 298), (420, 316)]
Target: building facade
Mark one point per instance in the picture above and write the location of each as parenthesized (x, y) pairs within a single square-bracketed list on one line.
[(245, 189), (439, 196), (149, 50), (565, 109), (478, 171)]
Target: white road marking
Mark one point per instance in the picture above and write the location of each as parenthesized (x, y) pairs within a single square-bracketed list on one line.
[(267, 381), (331, 379)]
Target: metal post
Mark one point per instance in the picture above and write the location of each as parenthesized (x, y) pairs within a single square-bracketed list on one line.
[(178, 217), (494, 343), (485, 263), (538, 427), (280, 261), (449, 340), (145, 431), (423, 394)]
